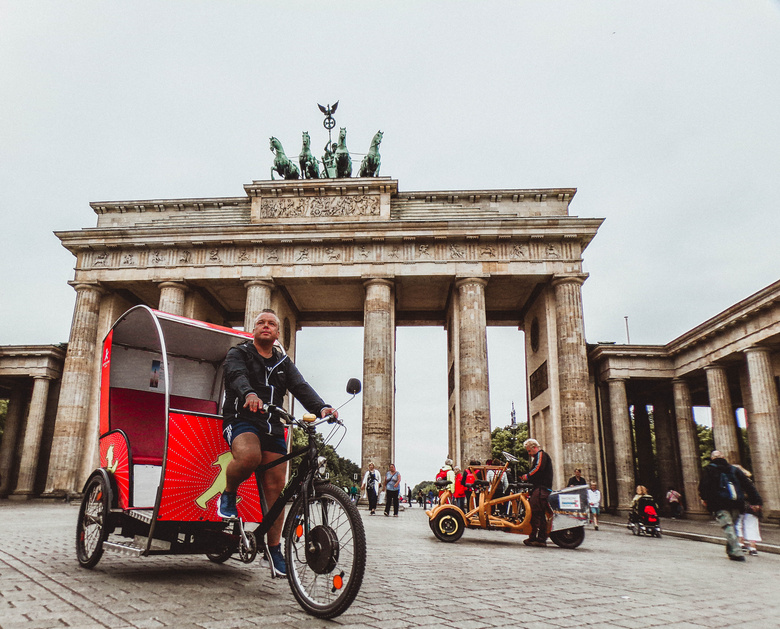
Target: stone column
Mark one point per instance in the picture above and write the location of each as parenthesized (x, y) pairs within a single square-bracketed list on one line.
[(28, 466), (764, 427), (76, 388), (622, 443), (473, 371), (666, 451), (258, 298), (378, 373), (689, 446), (724, 421), (577, 435), (172, 296), (644, 446), (13, 423)]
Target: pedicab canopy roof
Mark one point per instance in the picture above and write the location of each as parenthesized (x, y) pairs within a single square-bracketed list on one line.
[(160, 332)]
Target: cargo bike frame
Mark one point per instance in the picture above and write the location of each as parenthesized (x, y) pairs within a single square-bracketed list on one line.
[(163, 467)]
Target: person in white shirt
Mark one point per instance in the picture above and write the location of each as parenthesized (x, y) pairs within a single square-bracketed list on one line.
[(372, 482), (594, 504)]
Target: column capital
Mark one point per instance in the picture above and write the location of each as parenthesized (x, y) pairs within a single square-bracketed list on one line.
[(679, 381), (173, 284), (616, 379), (757, 349), (714, 367), (386, 281), (462, 281), (578, 279), (81, 286), (268, 283)]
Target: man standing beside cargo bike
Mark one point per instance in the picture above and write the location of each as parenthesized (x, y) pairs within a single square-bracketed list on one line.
[(541, 477), (258, 373)]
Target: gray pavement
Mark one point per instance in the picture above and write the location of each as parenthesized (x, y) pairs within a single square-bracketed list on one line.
[(487, 579)]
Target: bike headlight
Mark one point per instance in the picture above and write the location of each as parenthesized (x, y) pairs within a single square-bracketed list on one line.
[(322, 463)]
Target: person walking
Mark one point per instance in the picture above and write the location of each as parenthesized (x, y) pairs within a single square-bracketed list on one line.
[(577, 479), (594, 504), (371, 484), (392, 489), (747, 528), (673, 497), (541, 477), (722, 490)]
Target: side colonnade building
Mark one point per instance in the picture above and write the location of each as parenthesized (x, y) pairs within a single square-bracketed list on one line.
[(645, 395)]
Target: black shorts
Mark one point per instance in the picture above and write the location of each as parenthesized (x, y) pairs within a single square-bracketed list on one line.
[(268, 443)]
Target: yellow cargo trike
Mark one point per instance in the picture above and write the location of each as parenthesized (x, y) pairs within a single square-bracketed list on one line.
[(567, 511)]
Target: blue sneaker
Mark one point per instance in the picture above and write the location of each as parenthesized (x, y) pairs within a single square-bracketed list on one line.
[(280, 565), (226, 509)]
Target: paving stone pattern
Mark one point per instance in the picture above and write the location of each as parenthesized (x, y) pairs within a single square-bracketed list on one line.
[(487, 579)]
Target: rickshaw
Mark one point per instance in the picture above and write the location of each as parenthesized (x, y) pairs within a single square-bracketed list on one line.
[(567, 511), (163, 467)]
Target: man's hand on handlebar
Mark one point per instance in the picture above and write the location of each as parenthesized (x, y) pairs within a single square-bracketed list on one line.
[(329, 411), (253, 403)]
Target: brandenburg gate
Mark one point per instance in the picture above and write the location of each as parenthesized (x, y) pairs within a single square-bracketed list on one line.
[(350, 252)]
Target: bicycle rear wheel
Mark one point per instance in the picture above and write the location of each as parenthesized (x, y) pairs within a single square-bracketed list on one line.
[(326, 553)]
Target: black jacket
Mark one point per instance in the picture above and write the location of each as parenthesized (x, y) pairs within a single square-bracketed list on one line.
[(710, 485), (541, 472), (247, 372)]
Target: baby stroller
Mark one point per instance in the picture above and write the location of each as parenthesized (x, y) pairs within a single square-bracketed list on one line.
[(643, 518)]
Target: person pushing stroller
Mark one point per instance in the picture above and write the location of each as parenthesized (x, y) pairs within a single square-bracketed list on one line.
[(643, 518)]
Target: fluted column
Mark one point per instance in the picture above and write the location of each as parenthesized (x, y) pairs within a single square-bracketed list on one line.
[(28, 466), (473, 370), (172, 296), (689, 446), (764, 426), (258, 298), (577, 434), (724, 421), (75, 391), (621, 442), (13, 423), (378, 373), (666, 457)]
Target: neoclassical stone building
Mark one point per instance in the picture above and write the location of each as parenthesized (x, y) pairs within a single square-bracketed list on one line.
[(348, 252), (358, 252), (730, 362)]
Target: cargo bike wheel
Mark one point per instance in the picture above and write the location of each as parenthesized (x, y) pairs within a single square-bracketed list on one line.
[(448, 524), (568, 538), (325, 551), (92, 528)]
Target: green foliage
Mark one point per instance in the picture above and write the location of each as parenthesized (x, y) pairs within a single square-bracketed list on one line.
[(426, 486), (3, 413), (706, 443), (341, 471), (510, 440)]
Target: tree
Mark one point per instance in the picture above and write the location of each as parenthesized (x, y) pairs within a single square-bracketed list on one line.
[(510, 439), (706, 443), (3, 413), (341, 471)]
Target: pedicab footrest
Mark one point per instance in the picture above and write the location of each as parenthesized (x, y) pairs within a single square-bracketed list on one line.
[(124, 548)]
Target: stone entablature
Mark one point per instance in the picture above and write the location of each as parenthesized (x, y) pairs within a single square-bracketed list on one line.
[(33, 361)]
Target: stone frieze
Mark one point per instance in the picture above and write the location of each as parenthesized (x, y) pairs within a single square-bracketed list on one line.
[(357, 205)]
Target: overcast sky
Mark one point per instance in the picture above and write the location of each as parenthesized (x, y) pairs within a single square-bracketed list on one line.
[(662, 114)]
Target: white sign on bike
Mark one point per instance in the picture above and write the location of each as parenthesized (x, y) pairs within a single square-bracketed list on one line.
[(570, 501)]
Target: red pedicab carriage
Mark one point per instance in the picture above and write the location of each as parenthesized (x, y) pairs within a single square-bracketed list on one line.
[(163, 467)]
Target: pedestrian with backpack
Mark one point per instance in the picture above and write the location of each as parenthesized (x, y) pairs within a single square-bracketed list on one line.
[(722, 490)]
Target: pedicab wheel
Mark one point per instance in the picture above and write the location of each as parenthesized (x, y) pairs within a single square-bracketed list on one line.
[(224, 551), (92, 528), (326, 553), (448, 525), (568, 538)]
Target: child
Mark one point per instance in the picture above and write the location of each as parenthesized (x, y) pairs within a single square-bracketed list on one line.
[(747, 524), (594, 501)]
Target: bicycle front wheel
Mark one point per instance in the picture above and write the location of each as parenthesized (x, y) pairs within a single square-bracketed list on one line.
[(325, 552)]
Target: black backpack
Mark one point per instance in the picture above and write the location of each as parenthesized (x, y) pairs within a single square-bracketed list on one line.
[(729, 487)]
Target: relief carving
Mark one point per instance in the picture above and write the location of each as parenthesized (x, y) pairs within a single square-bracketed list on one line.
[(101, 259), (489, 251), (332, 254), (424, 251), (519, 251), (214, 255), (185, 256), (358, 205), (243, 255), (157, 257), (128, 259), (552, 252), (303, 255), (456, 251)]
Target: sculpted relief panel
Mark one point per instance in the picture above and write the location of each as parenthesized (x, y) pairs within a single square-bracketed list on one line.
[(288, 252), (358, 205)]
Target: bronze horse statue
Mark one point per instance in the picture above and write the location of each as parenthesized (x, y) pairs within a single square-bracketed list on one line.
[(282, 164), (310, 167), (341, 154), (369, 167)]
